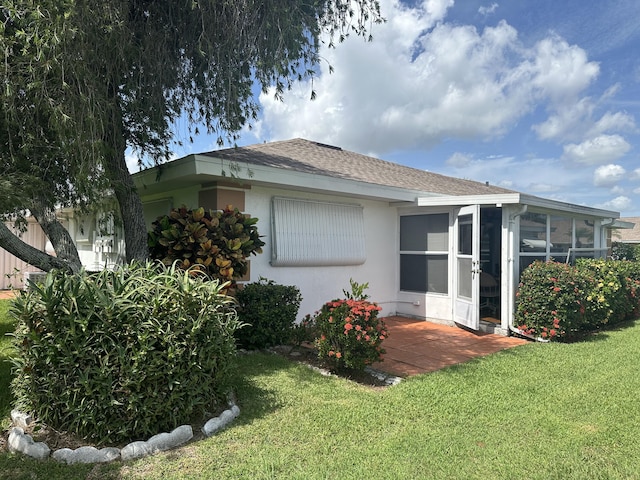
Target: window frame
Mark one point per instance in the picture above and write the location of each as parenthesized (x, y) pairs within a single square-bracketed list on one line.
[(427, 254)]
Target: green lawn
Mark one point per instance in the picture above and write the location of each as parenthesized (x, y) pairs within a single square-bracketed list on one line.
[(541, 411)]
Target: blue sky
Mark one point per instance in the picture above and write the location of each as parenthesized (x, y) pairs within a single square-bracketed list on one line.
[(539, 96)]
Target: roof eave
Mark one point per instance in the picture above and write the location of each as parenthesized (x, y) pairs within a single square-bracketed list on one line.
[(199, 169), (513, 199)]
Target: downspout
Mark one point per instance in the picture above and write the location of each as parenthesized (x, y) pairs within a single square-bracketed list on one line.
[(512, 327)]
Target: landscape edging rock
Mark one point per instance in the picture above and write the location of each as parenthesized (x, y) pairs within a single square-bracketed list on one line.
[(23, 443)]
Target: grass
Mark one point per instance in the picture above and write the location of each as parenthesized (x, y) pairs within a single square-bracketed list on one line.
[(6, 350), (540, 411)]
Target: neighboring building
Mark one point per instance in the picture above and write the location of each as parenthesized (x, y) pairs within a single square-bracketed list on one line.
[(628, 235)]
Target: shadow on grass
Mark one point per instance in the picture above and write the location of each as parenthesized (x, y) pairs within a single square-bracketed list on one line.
[(255, 400), (600, 335)]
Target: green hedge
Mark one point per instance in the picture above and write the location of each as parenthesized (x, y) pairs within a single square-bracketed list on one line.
[(122, 355), (557, 301), (269, 312)]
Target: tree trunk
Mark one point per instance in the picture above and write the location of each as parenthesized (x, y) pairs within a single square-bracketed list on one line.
[(58, 235), (133, 224), (25, 252)]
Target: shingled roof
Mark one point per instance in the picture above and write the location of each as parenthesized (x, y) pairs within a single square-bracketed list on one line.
[(312, 157), (630, 235)]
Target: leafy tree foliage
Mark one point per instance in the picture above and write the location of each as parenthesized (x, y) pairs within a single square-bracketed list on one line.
[(84, 80)]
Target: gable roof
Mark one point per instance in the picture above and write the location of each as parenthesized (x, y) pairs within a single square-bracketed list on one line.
[(317, 158)]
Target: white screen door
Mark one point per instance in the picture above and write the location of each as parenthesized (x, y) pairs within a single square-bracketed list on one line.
[(466, 283)]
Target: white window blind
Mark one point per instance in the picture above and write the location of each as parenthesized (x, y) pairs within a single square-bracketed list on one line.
[(312, 233)]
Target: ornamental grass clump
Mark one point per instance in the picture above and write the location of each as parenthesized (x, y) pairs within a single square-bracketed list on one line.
[(349, 332), (123, 355)]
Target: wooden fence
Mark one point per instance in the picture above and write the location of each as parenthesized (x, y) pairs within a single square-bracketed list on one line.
[(12, 269)]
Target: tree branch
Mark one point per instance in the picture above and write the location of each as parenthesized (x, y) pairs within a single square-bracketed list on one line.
[(12, 244)]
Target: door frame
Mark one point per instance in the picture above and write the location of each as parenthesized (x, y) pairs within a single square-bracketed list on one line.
[(466, 267)]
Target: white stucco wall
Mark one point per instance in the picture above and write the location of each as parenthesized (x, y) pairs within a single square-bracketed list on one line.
[(321, 284)]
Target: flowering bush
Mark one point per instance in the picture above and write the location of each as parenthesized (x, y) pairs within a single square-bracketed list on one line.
[(556, 301), (349, 332)]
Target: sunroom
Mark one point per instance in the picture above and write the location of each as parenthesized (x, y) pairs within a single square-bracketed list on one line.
[(461, 256)]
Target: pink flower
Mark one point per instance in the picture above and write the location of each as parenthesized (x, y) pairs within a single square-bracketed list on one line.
[(347, 327), (358, 328), (338, 355)]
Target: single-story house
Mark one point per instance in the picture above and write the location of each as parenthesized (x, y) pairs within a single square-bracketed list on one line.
[(430, 246)]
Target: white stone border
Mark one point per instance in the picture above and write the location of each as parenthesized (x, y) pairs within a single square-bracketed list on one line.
[(23, 443)]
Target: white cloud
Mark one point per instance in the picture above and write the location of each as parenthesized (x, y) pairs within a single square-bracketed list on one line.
[(562, 71), (613, 121), (608, 175), (636, 191), (543, 188), (459, 160), (567, 122), (635, 175), (617, 204), (488, 10), (423, 80), (133, 163), (601, 149)]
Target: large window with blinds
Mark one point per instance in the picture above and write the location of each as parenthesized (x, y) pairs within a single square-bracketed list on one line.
[(424, 253), (314, 233)]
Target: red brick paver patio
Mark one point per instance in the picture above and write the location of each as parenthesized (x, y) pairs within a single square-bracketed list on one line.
[(417, 346)]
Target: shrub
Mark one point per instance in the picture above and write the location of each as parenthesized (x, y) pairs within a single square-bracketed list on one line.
[(609, 294), (556, 301), (269, 311), (349, 332), (625, 251), (218, 243), (125, 354), (547, 305)]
